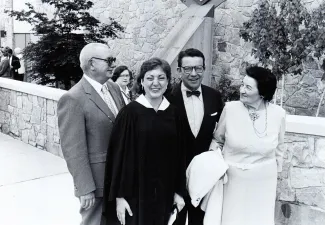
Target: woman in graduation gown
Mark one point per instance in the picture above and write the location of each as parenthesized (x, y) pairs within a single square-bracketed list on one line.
[(145, 171)]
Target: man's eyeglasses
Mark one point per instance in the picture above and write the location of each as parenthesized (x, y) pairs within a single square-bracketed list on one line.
[(109, 61), (188, 69)]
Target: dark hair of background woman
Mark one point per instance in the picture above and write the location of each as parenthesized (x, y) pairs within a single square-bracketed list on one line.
[(149, 65), (118, 70), (266, 81)]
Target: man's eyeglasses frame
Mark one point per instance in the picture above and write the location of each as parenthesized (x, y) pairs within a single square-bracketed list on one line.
[(109, 61), (188, 69)]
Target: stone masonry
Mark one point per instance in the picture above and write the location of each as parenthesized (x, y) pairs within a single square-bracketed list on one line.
[(31, 119), (301, 186), (146, 23)]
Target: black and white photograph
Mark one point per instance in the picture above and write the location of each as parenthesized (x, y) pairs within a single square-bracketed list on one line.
[(162, 112)]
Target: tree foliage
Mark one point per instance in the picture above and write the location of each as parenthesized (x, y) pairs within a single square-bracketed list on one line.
[(281, 34), (285, 34), (55, 56), (228, 91)]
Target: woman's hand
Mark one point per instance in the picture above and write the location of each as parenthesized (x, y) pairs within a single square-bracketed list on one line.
[(121, 206), (179, 201)]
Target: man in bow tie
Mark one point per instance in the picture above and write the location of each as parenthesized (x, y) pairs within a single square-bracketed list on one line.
[(200, 107), (86, 114)]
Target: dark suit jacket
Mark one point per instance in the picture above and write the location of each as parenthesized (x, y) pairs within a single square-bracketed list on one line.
[(5, 68), (85, 125), (212, 103), (15, 63)]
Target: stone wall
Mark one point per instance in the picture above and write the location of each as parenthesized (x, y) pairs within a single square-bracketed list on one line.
[(301, 188), (146, 23), (28, 112), (301, 185)]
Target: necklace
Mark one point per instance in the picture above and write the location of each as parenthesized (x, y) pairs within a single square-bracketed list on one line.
[(254, 116)]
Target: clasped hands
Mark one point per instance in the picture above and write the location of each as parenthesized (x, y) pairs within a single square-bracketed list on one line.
[(122, 205)]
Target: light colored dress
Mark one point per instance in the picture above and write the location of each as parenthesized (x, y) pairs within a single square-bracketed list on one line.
[(254, 159)]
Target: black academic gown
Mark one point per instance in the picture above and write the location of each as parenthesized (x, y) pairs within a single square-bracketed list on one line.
[(147, 164)]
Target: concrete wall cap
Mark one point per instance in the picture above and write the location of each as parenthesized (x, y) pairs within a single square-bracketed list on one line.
[(305, 125), (32, 89)]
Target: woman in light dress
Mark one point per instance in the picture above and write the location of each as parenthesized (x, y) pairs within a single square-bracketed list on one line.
[(122, 76), (250, 133)]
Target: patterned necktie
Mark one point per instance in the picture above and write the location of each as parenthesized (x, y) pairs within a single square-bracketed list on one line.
[(108, 99), (190, 93)]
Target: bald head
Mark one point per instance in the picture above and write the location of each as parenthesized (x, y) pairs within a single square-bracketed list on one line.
[(93, 50)]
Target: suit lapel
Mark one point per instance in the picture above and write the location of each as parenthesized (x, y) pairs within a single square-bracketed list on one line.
[(115, 93), (95, 98), (207, 108), (206, 103), (179, 101)]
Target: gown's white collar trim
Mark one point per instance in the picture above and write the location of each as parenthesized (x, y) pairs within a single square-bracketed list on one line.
[(143, 101)]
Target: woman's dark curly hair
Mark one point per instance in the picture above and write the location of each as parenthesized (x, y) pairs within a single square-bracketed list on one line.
[(266, 81), (149, 65)]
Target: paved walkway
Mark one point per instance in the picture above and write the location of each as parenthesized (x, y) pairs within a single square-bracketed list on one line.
[(35, 187)]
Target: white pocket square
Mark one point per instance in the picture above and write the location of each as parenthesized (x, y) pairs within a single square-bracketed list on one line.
[(214, 114)]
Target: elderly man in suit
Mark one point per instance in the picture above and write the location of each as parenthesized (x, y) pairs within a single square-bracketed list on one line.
[(200, 107), (86, 116)]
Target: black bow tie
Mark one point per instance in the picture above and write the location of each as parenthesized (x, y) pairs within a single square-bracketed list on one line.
[(190, 93)]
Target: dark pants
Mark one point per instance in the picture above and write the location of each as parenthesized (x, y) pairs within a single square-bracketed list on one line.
[(195, 215), (18, 76)]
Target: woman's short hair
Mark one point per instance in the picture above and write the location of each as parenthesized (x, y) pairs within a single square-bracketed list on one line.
[(149, 65), (266, 81), (118, 70)]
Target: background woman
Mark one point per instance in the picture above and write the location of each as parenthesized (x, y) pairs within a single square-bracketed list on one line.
[(250, 132), (146, 168), (122, 76)]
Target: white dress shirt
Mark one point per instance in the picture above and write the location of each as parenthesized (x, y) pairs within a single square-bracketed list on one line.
[(124, 94), (10, 61), (98, 88), (194, 109)]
